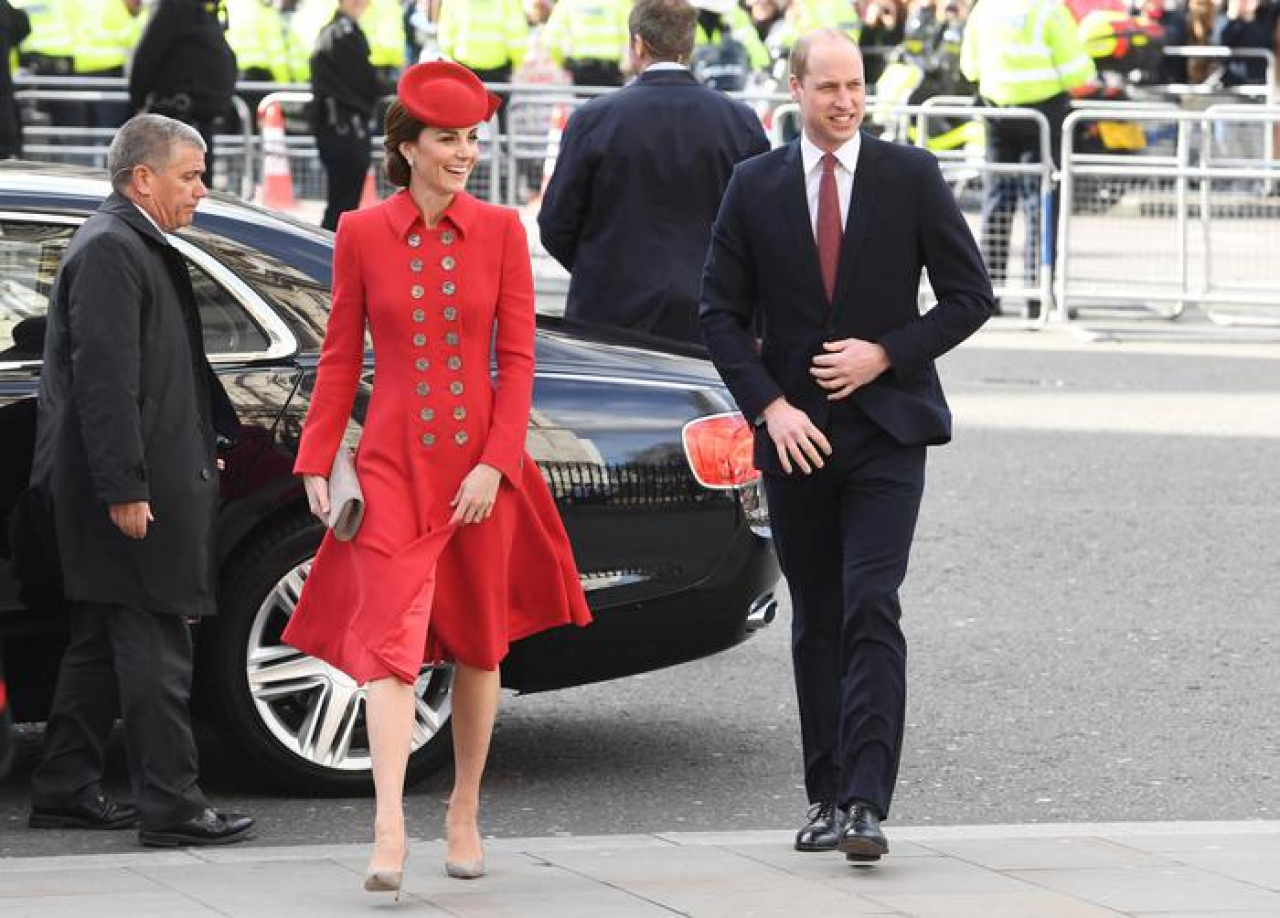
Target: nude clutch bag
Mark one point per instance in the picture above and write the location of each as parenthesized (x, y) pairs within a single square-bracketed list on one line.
[(346, 500)]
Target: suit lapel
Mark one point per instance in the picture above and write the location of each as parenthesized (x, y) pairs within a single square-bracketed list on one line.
[(861, 210), (795, 208)]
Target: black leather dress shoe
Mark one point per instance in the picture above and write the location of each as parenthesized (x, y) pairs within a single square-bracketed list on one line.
[(209, 828), (822, 832), (862, 839), (96, 812)]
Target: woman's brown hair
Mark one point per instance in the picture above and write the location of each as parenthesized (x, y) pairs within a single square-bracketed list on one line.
[(401, 127)]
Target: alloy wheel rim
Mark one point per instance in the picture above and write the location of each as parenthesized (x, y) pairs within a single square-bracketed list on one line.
[(314, 710)]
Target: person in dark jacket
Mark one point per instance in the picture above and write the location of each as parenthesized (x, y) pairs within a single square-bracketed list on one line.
[(184, 68), (14, 28), (125, 467), (639, 180), (345, 88)]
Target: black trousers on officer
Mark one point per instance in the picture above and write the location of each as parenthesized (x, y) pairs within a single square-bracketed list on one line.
[(843, 536), (346, 157), (1016, 141), (138, 663)]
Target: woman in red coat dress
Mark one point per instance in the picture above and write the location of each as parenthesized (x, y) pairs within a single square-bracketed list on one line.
[(461, 550)]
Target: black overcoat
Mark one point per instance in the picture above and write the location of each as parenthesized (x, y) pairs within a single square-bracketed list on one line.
[(129, 410)]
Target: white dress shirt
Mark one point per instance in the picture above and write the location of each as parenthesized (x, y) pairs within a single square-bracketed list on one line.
[(846, 164)]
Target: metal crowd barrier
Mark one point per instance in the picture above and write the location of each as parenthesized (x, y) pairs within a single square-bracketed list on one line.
[(1190, 226), (87, 146)]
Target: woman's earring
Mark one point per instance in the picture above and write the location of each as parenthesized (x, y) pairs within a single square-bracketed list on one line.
[(411, 162)]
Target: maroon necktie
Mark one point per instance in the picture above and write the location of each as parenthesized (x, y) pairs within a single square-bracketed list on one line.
[(830, 233)]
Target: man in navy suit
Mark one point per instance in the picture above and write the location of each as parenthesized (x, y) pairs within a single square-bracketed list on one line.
[(819, 246), (638, 182)]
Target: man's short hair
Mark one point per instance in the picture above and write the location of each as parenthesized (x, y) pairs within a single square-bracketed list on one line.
[(147, 140), (665, 26), (798, 62)]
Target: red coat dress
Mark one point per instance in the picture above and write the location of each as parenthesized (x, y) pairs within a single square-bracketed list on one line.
[(409, 587)]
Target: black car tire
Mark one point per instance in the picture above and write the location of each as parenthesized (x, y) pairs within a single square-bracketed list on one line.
[(223, 684)]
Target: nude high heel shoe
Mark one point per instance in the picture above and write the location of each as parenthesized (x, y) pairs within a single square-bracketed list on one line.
[(466, 870), (388, 880)]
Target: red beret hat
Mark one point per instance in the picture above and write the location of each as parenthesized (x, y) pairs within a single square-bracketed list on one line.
[(446, 95)]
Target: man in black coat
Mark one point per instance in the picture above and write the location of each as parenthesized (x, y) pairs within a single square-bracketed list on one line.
[(184, 68), (638, 182), (818, 249), (126, 468)]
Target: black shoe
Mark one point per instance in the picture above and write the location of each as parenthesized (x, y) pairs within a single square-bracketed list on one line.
[(96, 812), (209, 828), (823, 829), (862, 839)]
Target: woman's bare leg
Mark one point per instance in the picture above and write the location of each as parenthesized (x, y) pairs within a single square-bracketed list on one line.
[(390, 715), (475, 705)]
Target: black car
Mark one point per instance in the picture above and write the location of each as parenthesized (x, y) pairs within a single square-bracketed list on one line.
[(676, 565)]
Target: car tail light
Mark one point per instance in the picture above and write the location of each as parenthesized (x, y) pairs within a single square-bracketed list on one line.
[(719, 449)]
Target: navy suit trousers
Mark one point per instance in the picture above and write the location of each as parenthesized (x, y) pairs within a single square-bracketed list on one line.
[(843, 536)]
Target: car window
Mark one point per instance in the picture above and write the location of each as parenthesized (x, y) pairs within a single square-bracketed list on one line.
[(29, 256)]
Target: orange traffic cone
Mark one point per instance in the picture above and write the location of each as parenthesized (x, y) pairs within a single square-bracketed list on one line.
[(276, 190), (369, 195)]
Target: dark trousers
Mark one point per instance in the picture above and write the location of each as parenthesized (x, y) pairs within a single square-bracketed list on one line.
[(1015, 141), (138, 663), (843, 537), (346, 157)]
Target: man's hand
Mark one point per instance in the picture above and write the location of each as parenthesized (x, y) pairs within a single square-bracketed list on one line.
[(317, 488), (795, 437), (848, 365), (474, 501), (132, 518)]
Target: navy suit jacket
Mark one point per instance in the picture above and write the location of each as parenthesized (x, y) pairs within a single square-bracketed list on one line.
[(636, 188), (762, 273)]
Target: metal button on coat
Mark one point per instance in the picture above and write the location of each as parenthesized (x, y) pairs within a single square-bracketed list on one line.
[(419, 315), (449, 288), (419, 340), (414, 241), (416, 265), (448, 263), (455, 363), (447, 237), (422, 363), (427, 414), (205, 475), (460, 437), (417, 291), (428, 439), (455, 388), (450, 313), (423, 389), (459, 413), (451, 339)]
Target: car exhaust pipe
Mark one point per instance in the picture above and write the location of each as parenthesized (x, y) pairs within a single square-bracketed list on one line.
[(762, 613)]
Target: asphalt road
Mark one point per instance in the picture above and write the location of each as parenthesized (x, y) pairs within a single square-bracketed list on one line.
[(1090, 610)]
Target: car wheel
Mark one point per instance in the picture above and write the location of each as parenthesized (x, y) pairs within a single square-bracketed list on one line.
[(299, 719)]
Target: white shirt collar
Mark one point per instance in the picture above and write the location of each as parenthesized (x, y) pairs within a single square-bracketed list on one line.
[(846, 154), (658, 66), (142, 210)]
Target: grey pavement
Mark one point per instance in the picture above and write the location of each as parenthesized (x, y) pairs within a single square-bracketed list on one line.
[(1174, 870)]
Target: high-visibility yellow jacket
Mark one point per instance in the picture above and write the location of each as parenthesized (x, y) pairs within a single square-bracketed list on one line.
[(106, 34), (1023, 51), (263, 40), (483, 34), (588, 30), (52, 27), (383, 25), (826, 14), (738, 24)]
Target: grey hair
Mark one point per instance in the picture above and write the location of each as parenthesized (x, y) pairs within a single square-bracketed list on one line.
[(147, 140)]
